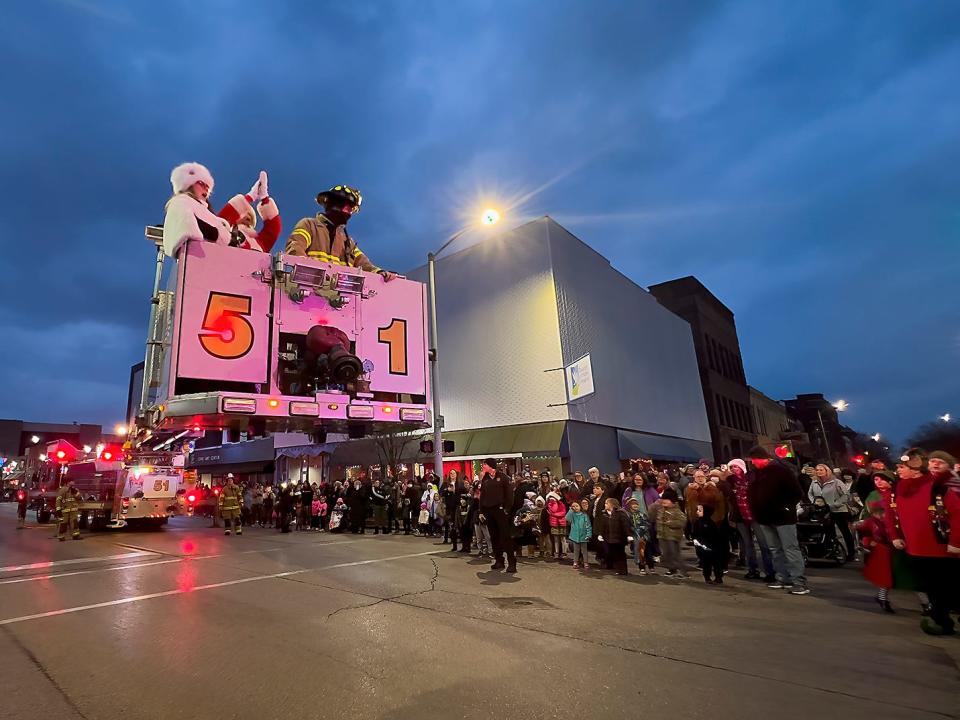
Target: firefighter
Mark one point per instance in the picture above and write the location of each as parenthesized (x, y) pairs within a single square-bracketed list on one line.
[(22, 502), (325, 236), (231, 500), (68, 508)]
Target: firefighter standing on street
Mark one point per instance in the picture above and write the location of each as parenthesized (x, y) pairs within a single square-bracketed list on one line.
[(325, 236), (68, 508), (231, 500)]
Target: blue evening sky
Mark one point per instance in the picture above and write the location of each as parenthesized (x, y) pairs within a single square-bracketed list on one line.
[(801, 159)]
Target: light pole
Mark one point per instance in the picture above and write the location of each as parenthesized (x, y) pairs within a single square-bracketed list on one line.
[(840, 406), (489, 217)]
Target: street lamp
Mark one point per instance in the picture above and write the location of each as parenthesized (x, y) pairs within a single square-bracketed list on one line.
[(489, 217), (120, 430), (945, 417), (875, 437), (841, 405)]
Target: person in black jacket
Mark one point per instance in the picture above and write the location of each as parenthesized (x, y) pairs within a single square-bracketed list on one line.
[(774, 494), (712, 545), (496, 511), (614, 533), (358, 499)]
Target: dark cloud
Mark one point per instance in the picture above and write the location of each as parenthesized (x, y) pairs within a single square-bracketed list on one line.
[(798, 158)]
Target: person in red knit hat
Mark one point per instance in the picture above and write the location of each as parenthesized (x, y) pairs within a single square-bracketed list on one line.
[(923, 519), (239, 212)]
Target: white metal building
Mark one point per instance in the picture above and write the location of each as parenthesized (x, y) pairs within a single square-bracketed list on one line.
[(515, 309)]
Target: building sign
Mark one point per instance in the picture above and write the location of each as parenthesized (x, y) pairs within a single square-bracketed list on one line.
[(579, 376)]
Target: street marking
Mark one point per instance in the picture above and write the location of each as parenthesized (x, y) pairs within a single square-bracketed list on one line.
[(33, 578), (75, 561), (211, 586)]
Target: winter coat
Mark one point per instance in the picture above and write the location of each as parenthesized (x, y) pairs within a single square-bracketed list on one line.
[(615, 528), (909, 517), (708, 534), (739, 509), (833, 491), (774, 494), (638, 493), (189, 219), (640, 523), (556, 511), (312, 237), (670, 523), (878, 566), (706, 494), (357, 499), (580, 526)]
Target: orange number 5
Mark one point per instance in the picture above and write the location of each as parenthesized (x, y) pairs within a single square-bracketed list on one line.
[(394, 336), (225, 332)]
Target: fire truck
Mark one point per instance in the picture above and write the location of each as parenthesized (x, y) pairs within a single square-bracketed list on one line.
[(246, 342), (116, 488)]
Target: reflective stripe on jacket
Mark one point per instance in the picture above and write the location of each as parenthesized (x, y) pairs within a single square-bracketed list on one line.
[(311, 237)]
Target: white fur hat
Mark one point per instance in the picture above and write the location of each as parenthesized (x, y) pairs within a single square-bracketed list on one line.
[(185, 175)]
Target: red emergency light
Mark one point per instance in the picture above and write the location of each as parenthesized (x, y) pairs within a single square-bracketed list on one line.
[(191, 498), (62, 452), (111, 453)]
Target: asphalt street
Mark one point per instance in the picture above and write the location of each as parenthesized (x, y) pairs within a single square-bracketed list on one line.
[(187, 623)]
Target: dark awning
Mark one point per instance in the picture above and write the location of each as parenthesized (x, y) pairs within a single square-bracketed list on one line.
[(661, 447), (250, 452), (533, 439), (311, 450)]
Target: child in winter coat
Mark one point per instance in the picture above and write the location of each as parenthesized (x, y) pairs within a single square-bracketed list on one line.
[(878, 566), (424, 519), (671, 521), (615, 532), (641, 536), (543, 526), (324, 512), (581, 529), (557, 515), (712, 547), (340, 510), (315, 514)]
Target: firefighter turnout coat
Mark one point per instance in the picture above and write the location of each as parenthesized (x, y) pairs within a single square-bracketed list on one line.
[(312, 237)]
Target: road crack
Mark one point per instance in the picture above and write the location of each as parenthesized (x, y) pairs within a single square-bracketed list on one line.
[(36, 662)]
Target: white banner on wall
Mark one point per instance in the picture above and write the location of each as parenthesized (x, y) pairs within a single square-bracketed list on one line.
[(579, 378)]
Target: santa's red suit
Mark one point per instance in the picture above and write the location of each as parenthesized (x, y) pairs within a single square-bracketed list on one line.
[(239, 213)]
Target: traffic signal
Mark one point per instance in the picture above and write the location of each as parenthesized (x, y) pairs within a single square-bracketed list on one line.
[(783, 451)]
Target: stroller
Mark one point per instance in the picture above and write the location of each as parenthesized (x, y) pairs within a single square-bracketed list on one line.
[(818, 535)]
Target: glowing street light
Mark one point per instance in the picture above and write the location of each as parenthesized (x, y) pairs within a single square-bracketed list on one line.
[(120, 429), (34, 439), (488, 217), (945, 417), (841, 405), (875, 437), (43, 457)]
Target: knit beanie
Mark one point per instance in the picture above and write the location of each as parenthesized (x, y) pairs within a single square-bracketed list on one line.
[(757, 452), (943, 455)]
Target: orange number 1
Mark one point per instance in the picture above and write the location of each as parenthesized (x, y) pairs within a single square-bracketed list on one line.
[(394, 336), (225, 332)]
